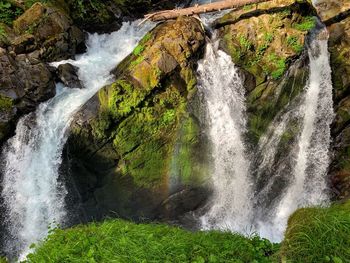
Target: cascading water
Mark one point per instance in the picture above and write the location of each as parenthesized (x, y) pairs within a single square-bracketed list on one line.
[(307, 184), (33, 193), (232, 206), (223, 92)]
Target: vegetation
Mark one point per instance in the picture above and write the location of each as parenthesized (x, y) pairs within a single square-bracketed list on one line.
[(121, 241), (293, 42), (5, 103), (313, 235), (306, 24), (8, 12), (318, 235)]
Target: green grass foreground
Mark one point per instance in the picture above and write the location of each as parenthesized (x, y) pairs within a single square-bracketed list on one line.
[(121, 241), (318, 235), (313, 235)]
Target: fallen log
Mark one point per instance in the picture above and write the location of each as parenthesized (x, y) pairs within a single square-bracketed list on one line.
[(200, 9)]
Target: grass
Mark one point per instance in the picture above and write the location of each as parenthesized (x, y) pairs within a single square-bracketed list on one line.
[(318, 235), (121, 241), (313, 235)]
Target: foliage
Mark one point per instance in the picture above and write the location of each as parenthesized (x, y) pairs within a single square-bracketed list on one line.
[(293, 42), (306, 24), (121, 241), (3, 34), (8, 12), (318, 235), (5, 103)]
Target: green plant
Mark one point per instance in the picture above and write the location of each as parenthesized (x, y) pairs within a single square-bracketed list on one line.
[(3, 34), (293, 42), (306, 24), (318, 235), (8, 12), (244, 42), (277, 65), (138, 50), (121, 241)]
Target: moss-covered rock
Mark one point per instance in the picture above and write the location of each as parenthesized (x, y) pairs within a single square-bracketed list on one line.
[(49, 30), (264, 40), (140, 126)]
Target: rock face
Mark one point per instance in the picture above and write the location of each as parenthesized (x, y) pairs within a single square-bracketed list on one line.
[(264, 40), (25, 81), (339, 47), (108, 15), (131, 145), (49, 31), (41, 34)]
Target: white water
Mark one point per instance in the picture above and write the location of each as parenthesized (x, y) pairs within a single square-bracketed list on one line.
[(308, 186), (223, 92), (232, 206), (33, 193)]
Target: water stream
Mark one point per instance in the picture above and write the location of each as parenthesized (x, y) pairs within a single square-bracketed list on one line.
[(223, 92), (33, 192), (301, 176)]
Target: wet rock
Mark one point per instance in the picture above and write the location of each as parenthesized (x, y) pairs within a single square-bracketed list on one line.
[(123, 142), (68, 75), (24, 83)]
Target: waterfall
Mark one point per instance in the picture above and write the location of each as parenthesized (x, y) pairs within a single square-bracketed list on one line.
[(221, 87), (32, 190), (299, 180), (307, 185)]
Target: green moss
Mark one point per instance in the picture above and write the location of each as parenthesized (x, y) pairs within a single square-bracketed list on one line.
[(294, 43), (5, 103), (3, 34), (306, 24), (134, 63), (244, 42), (263, 104), (248, 7), (138, 50), (318, 235), (186, 165), (144, 140), (277, 66), (124, 242)]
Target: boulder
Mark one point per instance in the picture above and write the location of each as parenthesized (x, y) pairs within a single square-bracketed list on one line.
[(49, 30), (136, 142), (68, 75)]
